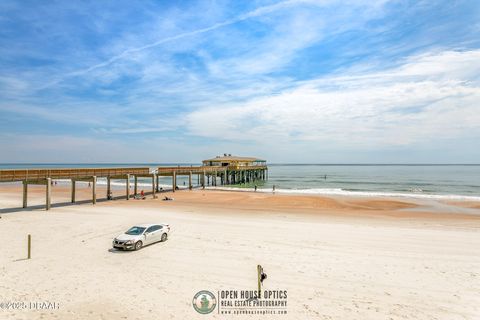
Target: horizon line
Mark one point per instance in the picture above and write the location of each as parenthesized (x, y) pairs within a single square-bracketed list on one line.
[(273, 164)]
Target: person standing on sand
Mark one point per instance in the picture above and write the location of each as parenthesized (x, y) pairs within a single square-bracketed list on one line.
[(273, 189), (255, 188)]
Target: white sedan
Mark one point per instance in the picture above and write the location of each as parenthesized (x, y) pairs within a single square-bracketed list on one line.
[(141, 235)]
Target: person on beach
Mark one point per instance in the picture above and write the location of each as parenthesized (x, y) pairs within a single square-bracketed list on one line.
[(273, 189), (255, 188), (142, 194), (110, 196)]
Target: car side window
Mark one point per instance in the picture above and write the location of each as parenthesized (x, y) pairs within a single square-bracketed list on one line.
[(151, 229)]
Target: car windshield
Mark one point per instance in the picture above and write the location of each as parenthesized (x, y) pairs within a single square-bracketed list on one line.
[(135, 231)]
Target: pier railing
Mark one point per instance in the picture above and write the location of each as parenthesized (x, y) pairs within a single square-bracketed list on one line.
[(38, 174), (10, 175)]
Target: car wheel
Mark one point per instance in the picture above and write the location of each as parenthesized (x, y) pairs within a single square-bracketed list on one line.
[(138, 245), (164, 237)]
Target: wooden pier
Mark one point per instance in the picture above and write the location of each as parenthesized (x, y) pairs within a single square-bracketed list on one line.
[(206, 175)]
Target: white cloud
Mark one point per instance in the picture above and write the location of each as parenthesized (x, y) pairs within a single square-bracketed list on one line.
[(428, 97), (132, 51), (289, 32)]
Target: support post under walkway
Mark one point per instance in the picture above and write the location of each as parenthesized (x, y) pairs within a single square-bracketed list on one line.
[(128, 187), (25, 193), (48, 200), (74, 187)]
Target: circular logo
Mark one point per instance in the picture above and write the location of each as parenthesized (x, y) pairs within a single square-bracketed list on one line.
[(204, 302)]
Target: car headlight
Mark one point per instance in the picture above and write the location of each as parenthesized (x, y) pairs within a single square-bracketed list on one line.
[(129, 242)]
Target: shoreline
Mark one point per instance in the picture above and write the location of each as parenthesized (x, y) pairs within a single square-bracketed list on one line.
[(224, 198), (322, 192)]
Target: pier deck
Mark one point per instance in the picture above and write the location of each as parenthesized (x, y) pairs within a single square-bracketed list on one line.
[(208, 175)]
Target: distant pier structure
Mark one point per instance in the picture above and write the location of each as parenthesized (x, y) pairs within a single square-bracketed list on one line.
[(237, 170), (221, 170)]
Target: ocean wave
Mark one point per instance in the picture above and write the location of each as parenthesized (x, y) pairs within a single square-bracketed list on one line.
[(411, 193), (342, 192)]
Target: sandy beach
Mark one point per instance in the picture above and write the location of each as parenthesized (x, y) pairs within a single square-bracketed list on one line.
[(337, 257)]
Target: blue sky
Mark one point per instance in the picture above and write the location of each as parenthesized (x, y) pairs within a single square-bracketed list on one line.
[(288, 81)]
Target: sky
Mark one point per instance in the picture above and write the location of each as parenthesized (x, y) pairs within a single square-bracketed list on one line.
[(287, 81)]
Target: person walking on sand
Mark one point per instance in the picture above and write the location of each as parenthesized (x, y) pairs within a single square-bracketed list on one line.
[(255, 188), (273, 189)]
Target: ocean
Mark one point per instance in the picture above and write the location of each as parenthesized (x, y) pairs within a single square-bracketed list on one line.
[(419, 181)]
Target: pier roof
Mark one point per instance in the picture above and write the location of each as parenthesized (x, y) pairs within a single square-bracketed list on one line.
[(234, 158)]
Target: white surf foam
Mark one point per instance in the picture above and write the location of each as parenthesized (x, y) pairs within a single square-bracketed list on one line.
[(341, 192), (416, 193)]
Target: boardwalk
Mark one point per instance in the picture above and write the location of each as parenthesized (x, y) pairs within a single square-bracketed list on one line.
[(208, 175)]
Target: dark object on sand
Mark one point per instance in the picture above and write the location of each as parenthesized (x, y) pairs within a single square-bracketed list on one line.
[(263, 276), (167, 199)]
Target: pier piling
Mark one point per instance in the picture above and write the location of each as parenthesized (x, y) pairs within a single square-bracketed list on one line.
[(48, 200), (73, 190), (154, 188), (94, 190), (174, 181), (25, 193), (135, 182), (109, 190), (128, 187)]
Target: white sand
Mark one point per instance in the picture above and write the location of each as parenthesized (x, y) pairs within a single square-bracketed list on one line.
[(333, 268)]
